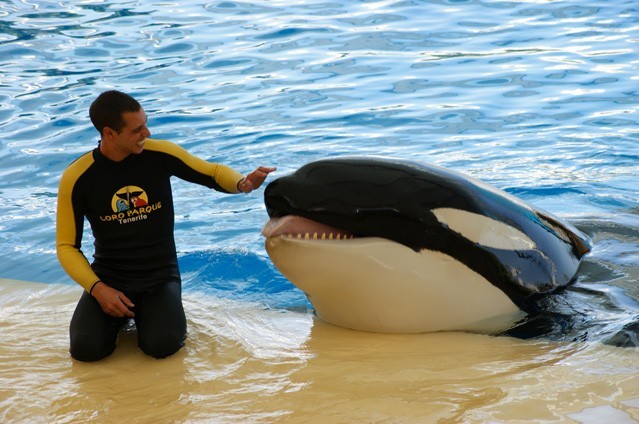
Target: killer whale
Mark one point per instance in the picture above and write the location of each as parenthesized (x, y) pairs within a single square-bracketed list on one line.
[(390, 245)]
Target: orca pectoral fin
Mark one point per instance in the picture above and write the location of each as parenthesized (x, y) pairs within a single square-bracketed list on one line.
[(579, 241)]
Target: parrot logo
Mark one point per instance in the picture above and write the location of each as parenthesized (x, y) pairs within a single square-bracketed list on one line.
[(129, 197)]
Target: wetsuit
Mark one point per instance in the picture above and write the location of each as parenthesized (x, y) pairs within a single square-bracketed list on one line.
[(129, 205)]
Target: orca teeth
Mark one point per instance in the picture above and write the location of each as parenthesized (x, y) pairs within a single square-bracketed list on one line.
[(316, 236), (298, 227)]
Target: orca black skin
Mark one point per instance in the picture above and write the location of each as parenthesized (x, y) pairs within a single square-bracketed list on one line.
[(395, 199)]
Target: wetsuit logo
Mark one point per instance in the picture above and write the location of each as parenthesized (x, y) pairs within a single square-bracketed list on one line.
[(129, 197), (130, 204)]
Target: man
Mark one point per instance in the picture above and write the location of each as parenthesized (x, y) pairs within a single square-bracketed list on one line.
[(123, 188)]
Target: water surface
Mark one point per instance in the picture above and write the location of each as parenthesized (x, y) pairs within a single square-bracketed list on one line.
[(538, 98)]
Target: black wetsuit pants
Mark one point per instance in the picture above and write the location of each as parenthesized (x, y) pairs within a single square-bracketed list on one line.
[(159, 319)]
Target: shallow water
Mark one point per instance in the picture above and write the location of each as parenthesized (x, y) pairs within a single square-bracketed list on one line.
[(537, 98), (244, 363)]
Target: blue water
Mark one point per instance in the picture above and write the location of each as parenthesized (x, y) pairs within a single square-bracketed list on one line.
[(539, 99)]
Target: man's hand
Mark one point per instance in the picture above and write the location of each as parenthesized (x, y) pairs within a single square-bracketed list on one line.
[(255, 179), (112, 301)]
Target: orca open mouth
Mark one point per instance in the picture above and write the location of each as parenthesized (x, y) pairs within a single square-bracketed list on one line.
[(293, 226)]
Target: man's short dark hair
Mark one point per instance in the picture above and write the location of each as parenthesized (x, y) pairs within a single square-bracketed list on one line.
[(107, 109)]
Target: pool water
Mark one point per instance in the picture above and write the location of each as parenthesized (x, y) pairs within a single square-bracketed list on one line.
[(538, 98)]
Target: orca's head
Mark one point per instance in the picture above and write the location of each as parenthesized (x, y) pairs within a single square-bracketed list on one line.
[(363, 197), (390, 245), (393, 246), (420, 206)]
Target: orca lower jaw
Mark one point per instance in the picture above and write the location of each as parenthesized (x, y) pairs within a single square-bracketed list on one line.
[(298, 227)]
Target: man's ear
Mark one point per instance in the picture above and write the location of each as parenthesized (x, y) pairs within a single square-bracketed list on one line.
[(109, 133)]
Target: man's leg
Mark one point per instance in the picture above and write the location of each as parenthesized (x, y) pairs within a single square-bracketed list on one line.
[(93, 333), (160, 320)]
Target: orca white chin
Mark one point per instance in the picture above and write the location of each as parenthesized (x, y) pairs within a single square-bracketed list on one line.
[(374, 284)]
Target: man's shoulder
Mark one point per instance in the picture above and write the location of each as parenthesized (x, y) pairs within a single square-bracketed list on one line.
[(78, 166), (163, 146), (157, 144), (81, 163)]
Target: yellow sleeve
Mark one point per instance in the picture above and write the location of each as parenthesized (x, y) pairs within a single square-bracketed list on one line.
[(227, 177), (224, 176), (69, 227)]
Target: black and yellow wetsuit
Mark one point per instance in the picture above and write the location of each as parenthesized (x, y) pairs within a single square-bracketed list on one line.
[(129, 206)]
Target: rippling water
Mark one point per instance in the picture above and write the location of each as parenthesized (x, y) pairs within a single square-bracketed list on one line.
[(536, 97)]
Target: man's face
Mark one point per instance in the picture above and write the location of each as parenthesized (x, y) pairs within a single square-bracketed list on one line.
[(131, 139)]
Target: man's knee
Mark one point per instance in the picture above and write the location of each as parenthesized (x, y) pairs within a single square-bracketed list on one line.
[(162, 346), (85, 348)]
